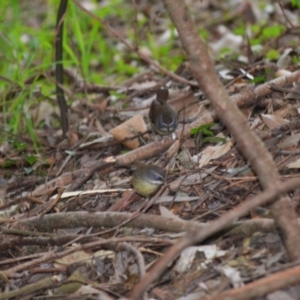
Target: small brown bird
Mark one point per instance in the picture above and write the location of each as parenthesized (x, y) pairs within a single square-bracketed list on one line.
[(147, 179), (163, 118)]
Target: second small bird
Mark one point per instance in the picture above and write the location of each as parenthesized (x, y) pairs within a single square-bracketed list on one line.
[(163, 118)]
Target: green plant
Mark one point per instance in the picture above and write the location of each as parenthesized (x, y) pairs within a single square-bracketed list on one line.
[(295, 3), (204, 134)]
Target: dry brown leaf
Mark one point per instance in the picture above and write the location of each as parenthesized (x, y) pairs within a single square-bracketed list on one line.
[(130, 128), (295, 93), (212, 152), (294, 164), (290, 141), (273, 121), (168, 214)]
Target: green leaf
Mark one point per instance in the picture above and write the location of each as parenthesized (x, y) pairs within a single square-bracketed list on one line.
[(20, 145), (272, 54), (240, 30), (8, 163), (273, 31), (207, 132), (258, 79), (296, 3), (204, 34), (204, 129), (31, 159), (225, 51), (214, 140), (295, 59)]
